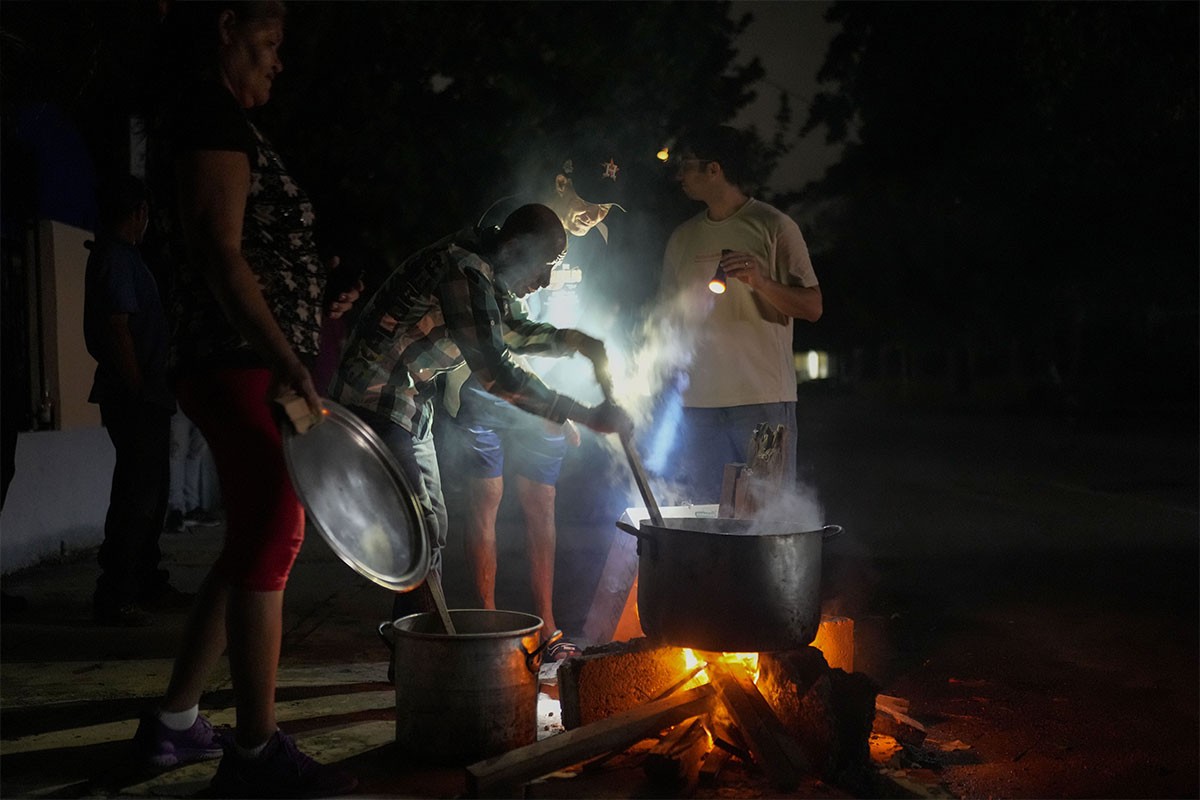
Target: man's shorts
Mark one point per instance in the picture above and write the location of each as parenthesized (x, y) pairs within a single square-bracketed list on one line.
[(487, 427)]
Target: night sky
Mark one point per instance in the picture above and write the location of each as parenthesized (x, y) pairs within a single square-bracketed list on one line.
[(790, 38)]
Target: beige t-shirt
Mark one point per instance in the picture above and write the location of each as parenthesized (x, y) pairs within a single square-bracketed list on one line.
[(742, 345)]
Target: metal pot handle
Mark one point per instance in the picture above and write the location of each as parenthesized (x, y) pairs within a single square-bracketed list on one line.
[(387, 639), (632, 531), (830, 531), (643, 538), (533, 661)]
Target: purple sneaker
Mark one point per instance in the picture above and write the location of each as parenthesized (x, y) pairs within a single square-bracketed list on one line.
[(280, 771), (160, 746)]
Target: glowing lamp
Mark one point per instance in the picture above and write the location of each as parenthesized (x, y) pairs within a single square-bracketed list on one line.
[(717, 284)]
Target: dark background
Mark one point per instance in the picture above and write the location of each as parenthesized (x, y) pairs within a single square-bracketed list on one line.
[(1007, 249), (1012, 223)]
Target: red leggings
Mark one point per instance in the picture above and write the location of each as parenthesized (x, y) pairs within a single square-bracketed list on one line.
[(264, 518)]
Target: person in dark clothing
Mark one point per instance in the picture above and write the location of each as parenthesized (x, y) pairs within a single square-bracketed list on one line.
[(247, 304), (125, 329)]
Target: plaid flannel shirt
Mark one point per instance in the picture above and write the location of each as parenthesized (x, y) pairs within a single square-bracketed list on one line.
[(442, 306)]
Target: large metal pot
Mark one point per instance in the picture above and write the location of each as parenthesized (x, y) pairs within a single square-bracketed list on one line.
[(712, 584), (468, 695)]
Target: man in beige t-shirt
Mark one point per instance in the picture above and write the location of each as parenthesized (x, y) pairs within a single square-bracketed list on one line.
[(742, 369)]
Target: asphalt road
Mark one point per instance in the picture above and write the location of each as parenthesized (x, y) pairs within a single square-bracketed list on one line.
[(1028, 583)]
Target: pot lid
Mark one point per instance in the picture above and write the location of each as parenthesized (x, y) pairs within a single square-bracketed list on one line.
[(358, 499)]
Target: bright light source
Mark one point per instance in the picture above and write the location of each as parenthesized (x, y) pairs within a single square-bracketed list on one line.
[(693, 660), (664, 154), (816, 365), (717, 284)]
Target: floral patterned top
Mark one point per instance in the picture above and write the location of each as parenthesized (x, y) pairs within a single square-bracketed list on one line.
[(277, 235)]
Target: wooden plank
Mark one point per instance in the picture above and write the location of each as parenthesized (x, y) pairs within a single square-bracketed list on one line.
[(891, 719), (614, 592), (676, 759), (751, 486), (772, 747), (714, 761), (729, 482), (501, 775), (629, 624)]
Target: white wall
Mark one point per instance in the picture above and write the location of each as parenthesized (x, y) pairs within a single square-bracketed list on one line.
[(58, 497), (59, 494), (69, 367)]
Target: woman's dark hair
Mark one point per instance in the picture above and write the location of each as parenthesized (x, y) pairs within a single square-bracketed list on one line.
[(186, 46), (189, 40)]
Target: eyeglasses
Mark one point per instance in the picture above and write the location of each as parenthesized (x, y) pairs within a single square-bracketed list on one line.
[(685, 164)]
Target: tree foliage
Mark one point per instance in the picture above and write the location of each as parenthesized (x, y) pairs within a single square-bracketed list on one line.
[(411, 118), (1015, 175), (406, 120)]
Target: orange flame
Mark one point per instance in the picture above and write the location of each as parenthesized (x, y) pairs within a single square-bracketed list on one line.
[(692, 659)]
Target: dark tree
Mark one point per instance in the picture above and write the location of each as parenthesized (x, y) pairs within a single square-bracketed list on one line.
[(1019, 182), (406, 120), (409, 119)]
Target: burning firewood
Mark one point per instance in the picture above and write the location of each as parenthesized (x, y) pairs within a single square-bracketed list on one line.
[(504, 774), (802, 719), (725, 734), (714, 760), (675, 760), (772, 746), (829, 711)]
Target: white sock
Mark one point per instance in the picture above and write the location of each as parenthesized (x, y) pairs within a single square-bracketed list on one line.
[(179, 720)]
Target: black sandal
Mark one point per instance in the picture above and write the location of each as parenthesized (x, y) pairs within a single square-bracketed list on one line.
[(562, 649)]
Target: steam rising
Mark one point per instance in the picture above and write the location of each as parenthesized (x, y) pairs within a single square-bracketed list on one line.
[(786, 511), (649, 374)]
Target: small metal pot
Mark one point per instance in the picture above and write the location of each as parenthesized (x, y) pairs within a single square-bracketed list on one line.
[(468, 695), (710, 584)]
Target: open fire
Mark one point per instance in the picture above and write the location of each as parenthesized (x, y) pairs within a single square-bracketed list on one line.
[(782, 711), (687, 715), (698, 662)]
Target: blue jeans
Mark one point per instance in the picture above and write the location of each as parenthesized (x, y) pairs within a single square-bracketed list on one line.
[(710, 438), (417, 458)]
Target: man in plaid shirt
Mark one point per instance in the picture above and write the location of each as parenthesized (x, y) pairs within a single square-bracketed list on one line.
[(447, 304)]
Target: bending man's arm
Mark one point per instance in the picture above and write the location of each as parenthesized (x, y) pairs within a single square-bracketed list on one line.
[(474, 322)]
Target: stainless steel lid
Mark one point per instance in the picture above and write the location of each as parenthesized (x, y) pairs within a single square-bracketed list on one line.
[(358, 499)]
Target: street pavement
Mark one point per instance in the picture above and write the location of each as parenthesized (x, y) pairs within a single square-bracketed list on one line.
[(1029, 583)]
